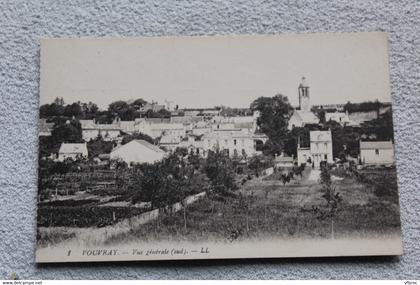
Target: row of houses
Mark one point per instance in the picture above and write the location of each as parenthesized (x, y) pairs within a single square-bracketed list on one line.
[(319, 150), (237, 136), (174, 126), (203, 130)]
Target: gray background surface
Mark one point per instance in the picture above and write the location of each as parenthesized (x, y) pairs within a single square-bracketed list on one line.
[(22, 23)]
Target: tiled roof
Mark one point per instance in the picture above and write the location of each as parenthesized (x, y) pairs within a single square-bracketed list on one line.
[(170, 140), (181, 119), (244, 125), (307, 117), (73, 148), (149, 145), (376, 145), (168, 126), (158, 120)]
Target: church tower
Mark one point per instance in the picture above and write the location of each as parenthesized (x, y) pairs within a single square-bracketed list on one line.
[(303, 91)]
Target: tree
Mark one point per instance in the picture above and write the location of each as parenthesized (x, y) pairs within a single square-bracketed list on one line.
[(295, 136), (138, 103), (137, 136), (73, 110), (273, 120), (98, 146), (121, 109), (162, 113), (45, 146), (382, 127), (51, 110), (178, 184), (259, 163), (104, 117), (88, 111), (220, 171), (168, 182), (149, 184), (332, 198), (320, 113), (59, 101), (70, 132), (362, 107)]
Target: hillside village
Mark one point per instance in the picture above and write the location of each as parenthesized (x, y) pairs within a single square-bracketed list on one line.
[(201, 130), (98, 168)]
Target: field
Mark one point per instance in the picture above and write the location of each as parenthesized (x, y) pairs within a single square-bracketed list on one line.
[(267, 209), (262, 207), (88, 199)]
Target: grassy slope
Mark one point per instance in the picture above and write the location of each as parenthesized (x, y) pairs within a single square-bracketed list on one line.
[(277, 211)]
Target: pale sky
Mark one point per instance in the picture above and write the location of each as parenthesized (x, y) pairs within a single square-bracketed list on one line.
[(210, 71)]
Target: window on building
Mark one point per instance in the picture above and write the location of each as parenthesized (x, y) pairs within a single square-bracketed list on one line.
[(226, 142), (234, 142), (377, 151), (326, 157)]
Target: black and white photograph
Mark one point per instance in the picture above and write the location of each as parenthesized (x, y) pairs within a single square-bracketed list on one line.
[(215, 147)]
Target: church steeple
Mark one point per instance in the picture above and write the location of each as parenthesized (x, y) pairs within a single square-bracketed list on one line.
[(303, 91)]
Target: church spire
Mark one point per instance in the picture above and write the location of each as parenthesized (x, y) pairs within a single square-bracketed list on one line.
[(303, 91)]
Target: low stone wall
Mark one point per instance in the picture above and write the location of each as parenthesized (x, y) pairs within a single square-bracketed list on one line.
[(97, 236)]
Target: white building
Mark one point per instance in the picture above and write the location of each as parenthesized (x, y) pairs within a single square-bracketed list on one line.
[(72, 150), (377, 152), (200, 128), (239, 122), (128, 127), (320, 149), (340, 117), (303, 116), (169, 142), (91, 130), (170, 129), (161, 128), (193, 144), (234, 142), (138, 151)]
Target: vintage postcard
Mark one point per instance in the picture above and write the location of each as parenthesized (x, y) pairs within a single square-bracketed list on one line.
[(216, 147)]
